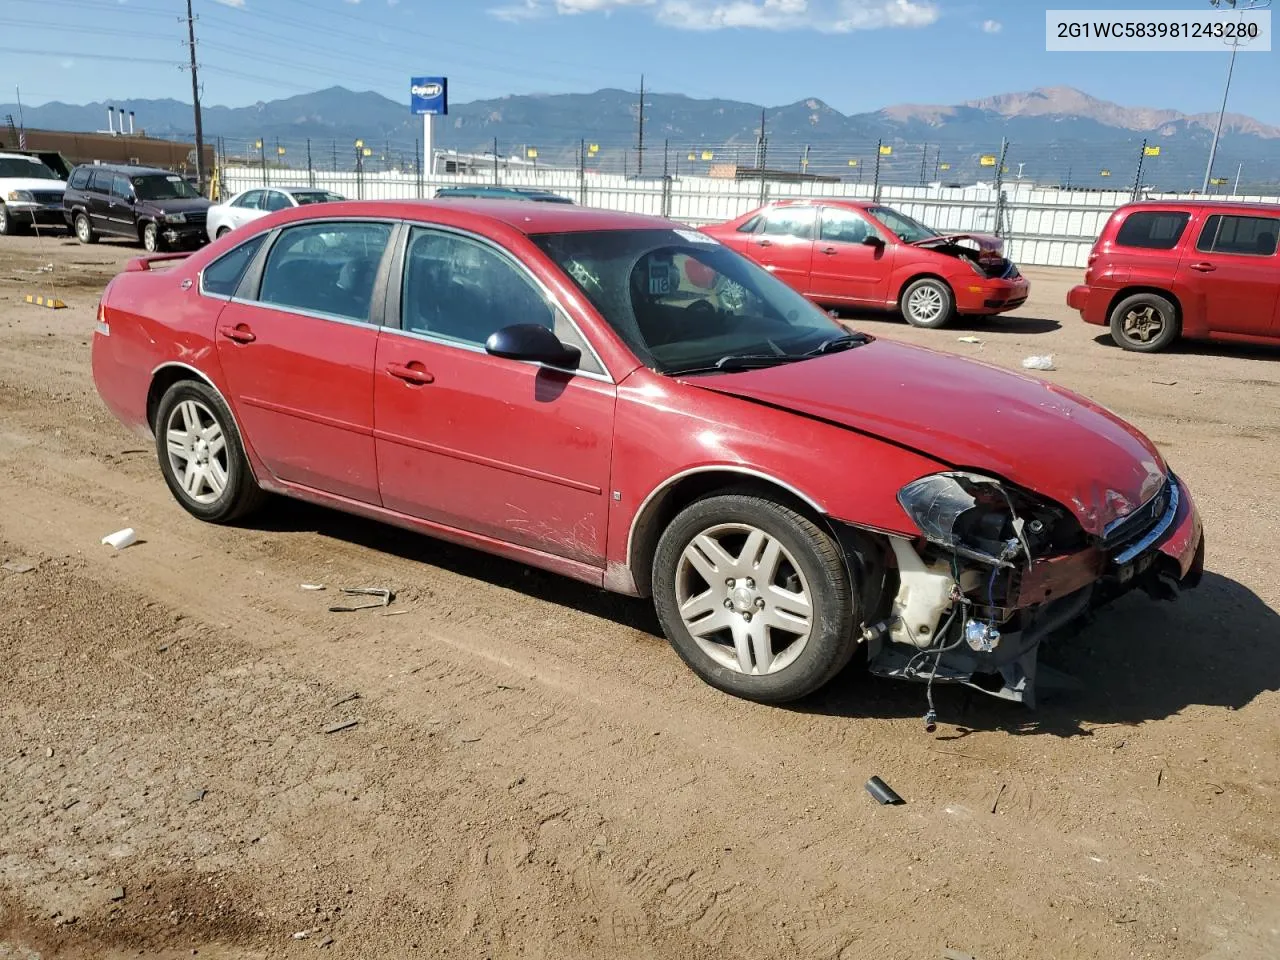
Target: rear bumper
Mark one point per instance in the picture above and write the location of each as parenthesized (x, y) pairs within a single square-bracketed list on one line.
[(1090, 303), (992, 296)]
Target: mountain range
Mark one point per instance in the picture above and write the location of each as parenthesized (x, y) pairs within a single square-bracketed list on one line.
[(1057, 133)]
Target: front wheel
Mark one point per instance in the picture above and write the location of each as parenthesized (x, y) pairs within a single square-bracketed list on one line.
[(151, 238), (201, 454), (8, 226), (928, 303), (1144, 323), (754, 597)]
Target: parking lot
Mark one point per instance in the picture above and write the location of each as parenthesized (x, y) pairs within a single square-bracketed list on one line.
[(533, 771)]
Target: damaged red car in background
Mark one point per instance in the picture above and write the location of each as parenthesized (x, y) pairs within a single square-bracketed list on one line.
[(628, 402), (846, 253)]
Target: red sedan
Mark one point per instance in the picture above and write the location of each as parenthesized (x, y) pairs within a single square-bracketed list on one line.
[(845, 253), (628, 402)]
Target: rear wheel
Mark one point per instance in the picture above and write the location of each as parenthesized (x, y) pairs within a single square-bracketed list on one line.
[(1145, 323), (84, 229), (754, 597), (201, 454), (928, 303)]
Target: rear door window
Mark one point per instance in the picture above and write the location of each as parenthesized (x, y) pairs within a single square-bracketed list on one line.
[(1246, 236), (1153, 230), (101, 182), (221, 277), (791, 222), (80, 179), (325, 268)]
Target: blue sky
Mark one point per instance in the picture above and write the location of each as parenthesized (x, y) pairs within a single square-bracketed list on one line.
[(855, 54)]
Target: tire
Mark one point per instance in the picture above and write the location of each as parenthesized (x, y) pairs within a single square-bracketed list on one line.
[(689, 575), (1145, 323), (8, 226), (928, 303), (222, 232), (190, 402), (83, 229), (152, 242)]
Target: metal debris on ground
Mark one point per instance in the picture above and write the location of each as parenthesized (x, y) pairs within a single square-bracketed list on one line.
[(340, 726), (347, 699), (950, 954), (17, 566), (1039, 363), (383, 599), (883, 793), (121, 538), (1166, 383)]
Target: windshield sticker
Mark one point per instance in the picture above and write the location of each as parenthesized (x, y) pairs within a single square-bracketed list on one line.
[(173, 179), (693, 236), (659, 279)]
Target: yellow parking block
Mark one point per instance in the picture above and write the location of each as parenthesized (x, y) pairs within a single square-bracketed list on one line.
[(53, 303)]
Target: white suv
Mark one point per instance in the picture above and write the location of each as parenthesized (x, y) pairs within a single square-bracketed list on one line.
[(30, 193)]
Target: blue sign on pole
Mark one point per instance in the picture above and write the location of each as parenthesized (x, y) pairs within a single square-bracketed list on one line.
[(429, 95)]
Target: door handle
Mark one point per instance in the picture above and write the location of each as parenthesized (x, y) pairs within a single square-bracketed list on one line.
[(1204, 267), (766, 243), (240, 334), (830, 251), (410, 374)]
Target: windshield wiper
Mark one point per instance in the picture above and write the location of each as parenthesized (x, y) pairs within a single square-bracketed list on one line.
[(740, 361), (839, 343)]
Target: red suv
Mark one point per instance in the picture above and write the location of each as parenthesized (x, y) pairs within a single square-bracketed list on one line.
[(1200, 269)]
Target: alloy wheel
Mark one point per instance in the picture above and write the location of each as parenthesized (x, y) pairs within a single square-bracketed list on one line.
[(83, 230), (743, 599), (1143, 324), (925, 304), (197, 451)]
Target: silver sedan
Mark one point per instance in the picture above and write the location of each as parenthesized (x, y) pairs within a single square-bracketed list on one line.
[(248, 205)]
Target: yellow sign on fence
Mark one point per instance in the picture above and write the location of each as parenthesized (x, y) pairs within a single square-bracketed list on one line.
[(886, 150), (988, 161)]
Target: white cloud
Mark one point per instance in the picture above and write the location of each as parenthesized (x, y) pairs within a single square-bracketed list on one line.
[(992, 26), (230, 3), (828, 16)]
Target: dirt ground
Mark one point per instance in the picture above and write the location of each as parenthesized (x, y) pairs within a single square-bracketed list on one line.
[(535, 774)]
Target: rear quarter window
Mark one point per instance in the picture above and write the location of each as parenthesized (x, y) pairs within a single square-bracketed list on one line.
[(1153, 230)]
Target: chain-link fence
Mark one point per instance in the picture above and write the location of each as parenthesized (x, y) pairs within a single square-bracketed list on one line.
[(1048, 224)]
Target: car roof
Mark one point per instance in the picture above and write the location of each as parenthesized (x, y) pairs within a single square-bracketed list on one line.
[(527, 218), (19, 156), (126, 168), (1251, 205)]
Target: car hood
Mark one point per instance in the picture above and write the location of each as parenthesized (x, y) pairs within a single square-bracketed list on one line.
[(970, 415), (177, 205), (987, 245), (32, 183)]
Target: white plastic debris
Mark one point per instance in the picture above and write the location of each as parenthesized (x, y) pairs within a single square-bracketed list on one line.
[(313, 586), (1039, 363), (121, 538), (970, 339)]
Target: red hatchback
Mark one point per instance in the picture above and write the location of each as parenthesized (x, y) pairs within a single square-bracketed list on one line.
[(843, 253), (1201, 269), (628, 402)]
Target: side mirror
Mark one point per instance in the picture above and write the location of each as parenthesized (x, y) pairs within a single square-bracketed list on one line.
[(872, 240), (532, 342)]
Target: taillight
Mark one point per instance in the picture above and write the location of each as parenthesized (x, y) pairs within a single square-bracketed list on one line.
[(102, 326), (1093, 258)]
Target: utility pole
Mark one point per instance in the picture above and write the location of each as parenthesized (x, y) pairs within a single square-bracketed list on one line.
[(1242, 5), (924, 159), (1235, 192), (764, 156), (1137, 180), (1004, 153), (495, 161), (640, 142), (195, 97)]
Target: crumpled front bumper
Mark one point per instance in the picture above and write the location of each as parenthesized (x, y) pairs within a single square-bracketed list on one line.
[(1056, 593)]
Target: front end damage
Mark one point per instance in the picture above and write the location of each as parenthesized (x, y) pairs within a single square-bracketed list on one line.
[(998, 570)]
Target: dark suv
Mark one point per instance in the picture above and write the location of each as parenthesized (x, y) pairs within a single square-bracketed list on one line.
[(157, 207)]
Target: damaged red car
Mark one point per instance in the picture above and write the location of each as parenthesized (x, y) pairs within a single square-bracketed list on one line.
[(846, 253), (629, 402)]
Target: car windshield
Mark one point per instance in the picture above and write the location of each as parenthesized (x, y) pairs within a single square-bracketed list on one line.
[(907, 230), (27, 167), (303, 197), (163, 186), (683, 302)]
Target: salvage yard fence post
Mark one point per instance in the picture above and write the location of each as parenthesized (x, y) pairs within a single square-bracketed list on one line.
[(1000, 197)]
